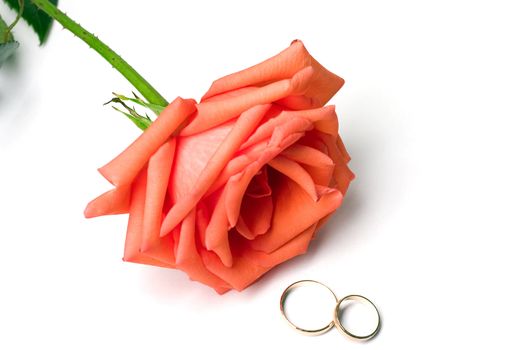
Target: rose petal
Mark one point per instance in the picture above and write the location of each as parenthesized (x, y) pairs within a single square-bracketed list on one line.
[(211, 114), (323, 119), (193, 155), (249, 265), (124, 168), (255, 217), (294, 212), (282, 66), (284, 135), (189, 260), (159, 169), (300, 102), (226, 213), (259, 186), (202, 221), (260, 153), (162, 257), (319, 166), (320, 175), (307, 155), (342, 174), (216, 236), (296, 173), (257, 210), (296, 246), (235, 189), (233, 93), (244, 126), (115, 201), (136, 215), (342, 149)]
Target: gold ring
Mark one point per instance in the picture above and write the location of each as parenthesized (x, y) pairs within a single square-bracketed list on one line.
[(346, 332), (302, 330)]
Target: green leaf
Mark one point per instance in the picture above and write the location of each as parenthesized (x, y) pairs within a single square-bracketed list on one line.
[(6, 50), (141, 122), (38, 20), (153, 107)]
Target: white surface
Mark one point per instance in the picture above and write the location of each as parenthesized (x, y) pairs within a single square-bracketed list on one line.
[(432, 230)]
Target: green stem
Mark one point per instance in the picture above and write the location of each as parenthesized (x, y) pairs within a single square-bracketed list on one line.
[(3, 28), (18, 16), (145, 88)]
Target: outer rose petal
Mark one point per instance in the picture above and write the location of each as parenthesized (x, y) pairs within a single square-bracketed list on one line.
[(189, 260), (124, 168), (342, 174), (210, 114), (342, 149), (283, 66), (115, 201), (159, 169), (249, 265), (163, 257)]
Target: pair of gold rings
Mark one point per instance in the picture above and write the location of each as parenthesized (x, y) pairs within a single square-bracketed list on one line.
[(337, 312)]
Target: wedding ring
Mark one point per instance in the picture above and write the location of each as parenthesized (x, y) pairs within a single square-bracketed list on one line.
[(283, 312), (339, 325)]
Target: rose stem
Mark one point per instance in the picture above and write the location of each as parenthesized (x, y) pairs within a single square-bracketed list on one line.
[(141, 84), (8, 30)]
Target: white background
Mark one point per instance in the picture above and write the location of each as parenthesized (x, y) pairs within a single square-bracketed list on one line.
[(432, 229)]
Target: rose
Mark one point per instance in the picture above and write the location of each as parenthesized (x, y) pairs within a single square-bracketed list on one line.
[(229, 188)]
